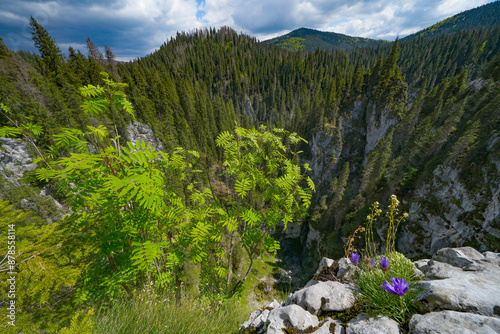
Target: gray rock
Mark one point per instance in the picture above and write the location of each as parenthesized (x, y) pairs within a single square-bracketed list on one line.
[(15, 159), (459, 257), (274, 304), (474, 287), (140, 131), (491, 257), (326, 296), (421, 264), (451, 322), (347, 270), (364, 324), (258, 318), (325, 327), (325, 262), (294, 315)]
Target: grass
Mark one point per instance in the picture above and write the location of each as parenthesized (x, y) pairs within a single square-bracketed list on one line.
[(150, 313)]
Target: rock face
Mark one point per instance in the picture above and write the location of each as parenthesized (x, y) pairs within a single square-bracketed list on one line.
[(452, 202), (139, 131), (461, 290), (15, 159), (463, 215)]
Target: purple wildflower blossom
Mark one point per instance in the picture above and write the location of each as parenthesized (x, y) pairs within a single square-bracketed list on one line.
[(354, 258), (267, 289), (372, 263), (384, 263), (399, 286)]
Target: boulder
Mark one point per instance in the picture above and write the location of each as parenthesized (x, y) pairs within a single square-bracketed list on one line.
[(323, 296), (458, 257), (467, 281), (451, 322), (347, 270), (258, 318), (292, 315), (364, 324)]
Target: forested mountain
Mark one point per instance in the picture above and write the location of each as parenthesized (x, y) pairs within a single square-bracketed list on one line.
[(306, 39), (417, 118), (481, 17)]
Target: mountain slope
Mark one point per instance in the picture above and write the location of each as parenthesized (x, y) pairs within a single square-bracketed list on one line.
[(306, 39), (309, 40), (481, 17)]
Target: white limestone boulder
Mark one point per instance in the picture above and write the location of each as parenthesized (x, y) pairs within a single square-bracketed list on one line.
[(292, 315), (452, 322), (323, 296), (364, 324)]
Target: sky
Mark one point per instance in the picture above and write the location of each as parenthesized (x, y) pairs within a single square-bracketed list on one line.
[(135, 28)]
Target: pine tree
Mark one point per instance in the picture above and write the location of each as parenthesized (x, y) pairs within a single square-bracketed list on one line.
[(50, 53)]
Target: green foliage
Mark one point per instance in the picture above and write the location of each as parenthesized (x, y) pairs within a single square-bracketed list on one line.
[(142, 213), (80, 324), (50, 53), (109, 98), (293, 44), (274, 188), (45, 263)]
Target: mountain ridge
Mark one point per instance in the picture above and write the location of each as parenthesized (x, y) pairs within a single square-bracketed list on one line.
[(308, 39)]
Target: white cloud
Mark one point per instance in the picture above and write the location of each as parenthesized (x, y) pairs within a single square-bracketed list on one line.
[(452, 7)]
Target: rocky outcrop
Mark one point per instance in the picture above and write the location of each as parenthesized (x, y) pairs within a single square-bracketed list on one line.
[(377, 125), (140, 131), (15, 159), (460, 295), (451, 322), (463, 216), (461, 279)]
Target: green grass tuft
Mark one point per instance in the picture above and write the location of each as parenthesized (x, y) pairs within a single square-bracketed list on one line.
[(151, 313)]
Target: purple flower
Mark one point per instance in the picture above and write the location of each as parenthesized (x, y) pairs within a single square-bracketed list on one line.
[(372, 263), (267, 289), (384, 263), (399, 286), (354, 257)]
